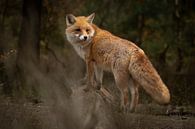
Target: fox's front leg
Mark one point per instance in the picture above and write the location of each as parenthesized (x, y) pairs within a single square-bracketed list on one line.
[(97, 79), (98, 76), (90, 75)]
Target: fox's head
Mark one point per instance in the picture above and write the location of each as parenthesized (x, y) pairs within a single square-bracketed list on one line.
[(79, 29)]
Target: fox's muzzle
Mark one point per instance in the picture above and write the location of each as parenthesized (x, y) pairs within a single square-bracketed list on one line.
[(83, 37)]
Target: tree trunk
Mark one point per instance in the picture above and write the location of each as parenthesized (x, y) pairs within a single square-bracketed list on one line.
[(28, 45), (140, 29), (141, 24), (2, 26), (179, 27)]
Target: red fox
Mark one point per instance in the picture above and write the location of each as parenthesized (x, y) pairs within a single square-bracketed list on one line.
[(104, 51)]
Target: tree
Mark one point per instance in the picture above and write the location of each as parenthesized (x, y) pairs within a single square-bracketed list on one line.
[(28, 45)]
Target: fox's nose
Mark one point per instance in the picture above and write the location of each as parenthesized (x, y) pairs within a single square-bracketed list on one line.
[(85, 37)]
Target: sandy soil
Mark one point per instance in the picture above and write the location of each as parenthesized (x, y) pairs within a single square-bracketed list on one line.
[(87, 111)]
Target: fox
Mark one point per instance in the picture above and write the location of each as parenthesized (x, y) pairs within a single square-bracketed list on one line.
[(103, 51)]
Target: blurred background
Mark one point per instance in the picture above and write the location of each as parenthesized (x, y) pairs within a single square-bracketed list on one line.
[(40, 71)]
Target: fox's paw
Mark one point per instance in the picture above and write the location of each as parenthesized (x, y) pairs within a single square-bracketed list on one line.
[(98, 87), (83, 81), (132, 109), (124, 109), (86, 89)]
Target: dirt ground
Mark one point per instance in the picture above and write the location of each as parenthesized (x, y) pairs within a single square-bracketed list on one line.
[(88, 111)]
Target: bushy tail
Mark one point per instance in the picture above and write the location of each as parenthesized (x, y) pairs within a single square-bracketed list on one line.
[(143, 72)]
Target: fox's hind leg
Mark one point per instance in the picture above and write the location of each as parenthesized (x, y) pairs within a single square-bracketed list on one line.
[(134, 94), (122, 81)]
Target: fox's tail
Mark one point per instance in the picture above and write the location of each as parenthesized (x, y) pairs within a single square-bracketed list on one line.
[(143, 72)]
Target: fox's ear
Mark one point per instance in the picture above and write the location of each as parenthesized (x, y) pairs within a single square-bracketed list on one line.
[(70, 19), (91, 17)]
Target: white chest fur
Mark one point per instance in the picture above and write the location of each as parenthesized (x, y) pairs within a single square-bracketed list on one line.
[(79, 51)]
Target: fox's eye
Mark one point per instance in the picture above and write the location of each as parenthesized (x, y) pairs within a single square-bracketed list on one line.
[(78, 29), (87, 30)]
